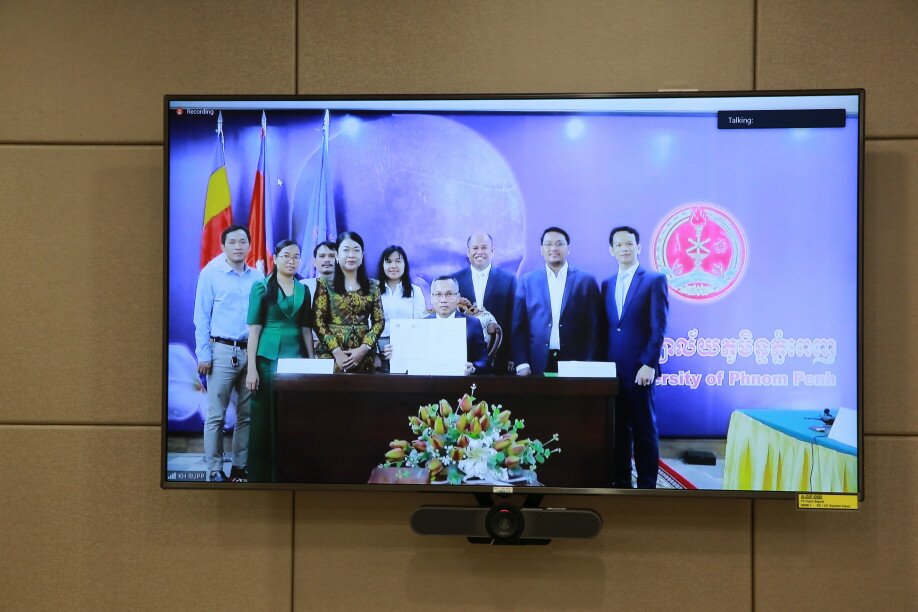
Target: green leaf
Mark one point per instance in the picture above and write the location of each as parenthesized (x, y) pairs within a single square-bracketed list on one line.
[(454, 475)]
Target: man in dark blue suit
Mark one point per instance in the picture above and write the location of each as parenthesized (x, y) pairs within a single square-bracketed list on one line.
[(556, 311), (444, 295), (636, 306), (491, 289)]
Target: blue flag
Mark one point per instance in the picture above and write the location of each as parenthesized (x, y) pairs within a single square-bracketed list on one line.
[(319, 224)]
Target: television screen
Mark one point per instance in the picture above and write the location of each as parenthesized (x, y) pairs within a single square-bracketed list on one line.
[(554, 293)]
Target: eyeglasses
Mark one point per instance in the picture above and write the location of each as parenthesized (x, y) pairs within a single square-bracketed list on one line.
[(439, 295), (548, 245), (286, 257)]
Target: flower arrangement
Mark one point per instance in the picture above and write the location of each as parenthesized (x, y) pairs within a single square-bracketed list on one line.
[(473, 442)]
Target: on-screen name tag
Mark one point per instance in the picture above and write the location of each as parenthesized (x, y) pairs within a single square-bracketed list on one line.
[(826, 501), (305, 366), (586, 369)]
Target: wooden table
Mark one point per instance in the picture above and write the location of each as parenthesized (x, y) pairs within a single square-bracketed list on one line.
[(335, 428)]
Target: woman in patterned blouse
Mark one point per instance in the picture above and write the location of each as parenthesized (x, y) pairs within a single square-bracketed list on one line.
[(348, 309)]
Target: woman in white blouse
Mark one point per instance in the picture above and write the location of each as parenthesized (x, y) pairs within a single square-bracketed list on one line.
[(400, 298)]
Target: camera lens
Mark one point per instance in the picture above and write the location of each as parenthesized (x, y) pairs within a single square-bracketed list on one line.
[(504, 522)]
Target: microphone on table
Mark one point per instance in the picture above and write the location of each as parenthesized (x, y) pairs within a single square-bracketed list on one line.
[(826, 417)]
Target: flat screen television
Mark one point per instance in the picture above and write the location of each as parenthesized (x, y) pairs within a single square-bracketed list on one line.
[(737, 371)]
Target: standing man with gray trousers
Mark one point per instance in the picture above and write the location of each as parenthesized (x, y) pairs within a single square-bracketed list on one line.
[(221, 305)]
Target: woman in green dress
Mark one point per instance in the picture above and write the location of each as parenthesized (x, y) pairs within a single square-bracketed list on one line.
[(348, 310), (280, 325)]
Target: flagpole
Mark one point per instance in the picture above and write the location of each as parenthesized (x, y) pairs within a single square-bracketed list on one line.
[(220, 131), (268, 220)]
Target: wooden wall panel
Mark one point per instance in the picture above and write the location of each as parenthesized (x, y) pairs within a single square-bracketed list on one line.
[(891, 287), (809, 560), (86, 527), (357, 551), (537, 46), (96, 71), (830, 44), (82, 297)]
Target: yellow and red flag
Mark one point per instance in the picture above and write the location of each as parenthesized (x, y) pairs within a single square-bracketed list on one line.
[(218, 215)]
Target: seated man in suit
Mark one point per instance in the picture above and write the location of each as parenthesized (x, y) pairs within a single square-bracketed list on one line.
[(444, 295), (556, 312), (489, 288)]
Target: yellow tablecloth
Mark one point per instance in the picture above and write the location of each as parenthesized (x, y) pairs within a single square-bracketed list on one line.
[(761, 458)]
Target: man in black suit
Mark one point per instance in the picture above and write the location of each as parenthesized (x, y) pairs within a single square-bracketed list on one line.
[(444, 295), (636, 307), (491, 289)]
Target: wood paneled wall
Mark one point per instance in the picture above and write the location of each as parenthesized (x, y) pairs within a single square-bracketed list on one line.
[(83, 524)]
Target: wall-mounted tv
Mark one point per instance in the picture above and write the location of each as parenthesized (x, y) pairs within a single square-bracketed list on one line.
[(584, 293)]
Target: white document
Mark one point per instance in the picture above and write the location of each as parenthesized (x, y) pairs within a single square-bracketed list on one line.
[(586, 369), (305, 366), (844, 429), (428, 347)]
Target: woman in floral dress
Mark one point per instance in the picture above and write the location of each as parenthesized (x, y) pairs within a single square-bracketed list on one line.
[(348, 310)]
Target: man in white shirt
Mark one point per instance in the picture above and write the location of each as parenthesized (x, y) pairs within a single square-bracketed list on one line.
[(556, 311), (221, 305)]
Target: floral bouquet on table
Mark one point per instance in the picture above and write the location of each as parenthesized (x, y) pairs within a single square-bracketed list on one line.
[(473, 443)]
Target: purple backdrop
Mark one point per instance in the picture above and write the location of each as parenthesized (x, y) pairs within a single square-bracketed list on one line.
[(426, 181)]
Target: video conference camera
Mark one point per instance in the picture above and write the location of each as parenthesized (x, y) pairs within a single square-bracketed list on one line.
[(506, 523)]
